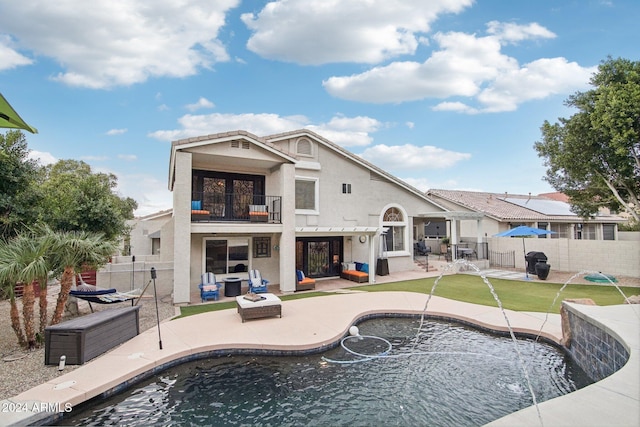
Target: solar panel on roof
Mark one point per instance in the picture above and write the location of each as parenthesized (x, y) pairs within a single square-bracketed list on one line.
[(543, 206)]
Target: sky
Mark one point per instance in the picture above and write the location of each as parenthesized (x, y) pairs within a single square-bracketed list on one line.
[(446, 94)]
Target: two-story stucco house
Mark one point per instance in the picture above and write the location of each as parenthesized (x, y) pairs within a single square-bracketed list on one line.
[(281, 203)]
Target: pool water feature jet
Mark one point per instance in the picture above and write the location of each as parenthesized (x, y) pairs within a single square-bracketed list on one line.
[(463, 262), (582, 273)]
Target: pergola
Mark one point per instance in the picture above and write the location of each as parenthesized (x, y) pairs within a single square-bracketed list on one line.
[(454, 218)]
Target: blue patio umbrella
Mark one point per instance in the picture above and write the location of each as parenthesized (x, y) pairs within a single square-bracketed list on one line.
[(524, 231)]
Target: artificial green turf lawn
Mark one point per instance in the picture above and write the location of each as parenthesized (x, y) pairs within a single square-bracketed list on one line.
[(514, 294), (204, 308)]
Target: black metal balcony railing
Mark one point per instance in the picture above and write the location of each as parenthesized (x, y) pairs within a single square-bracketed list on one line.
[(235, 207)]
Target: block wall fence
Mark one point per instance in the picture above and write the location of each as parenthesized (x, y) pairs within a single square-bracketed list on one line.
[(608, 256)]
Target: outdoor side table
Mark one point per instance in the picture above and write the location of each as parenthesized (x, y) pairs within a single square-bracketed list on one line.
[(232, 286)]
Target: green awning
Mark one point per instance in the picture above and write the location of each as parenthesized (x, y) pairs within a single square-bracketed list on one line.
[(10, 119)]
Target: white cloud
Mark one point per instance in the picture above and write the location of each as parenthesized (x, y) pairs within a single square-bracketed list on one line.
[(535, 80), (151, 194), (94, 158), (345, 131), (512, 33), (43, 158), (103, 43), (469, 67), (9, 57), (202, 103), (113, 132), (422, 184), (407, 157), (458, 69), (454, 106), (326, 31), (128, 157)]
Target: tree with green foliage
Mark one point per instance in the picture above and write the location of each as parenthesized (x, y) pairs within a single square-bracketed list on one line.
[(75, 198), (31, 257), (24, 259), (594, 156), (70, 252), (19, 192)]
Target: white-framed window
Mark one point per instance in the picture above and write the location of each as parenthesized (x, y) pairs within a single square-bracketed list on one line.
[(307, 197), (394, 220)]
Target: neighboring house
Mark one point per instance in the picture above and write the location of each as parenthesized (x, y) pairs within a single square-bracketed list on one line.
[(281, 203), (144, 238), (550, 212)]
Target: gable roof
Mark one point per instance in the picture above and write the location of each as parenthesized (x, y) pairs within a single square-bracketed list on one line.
[(515, 207), (268, 143), (354, 158), (217, 138)]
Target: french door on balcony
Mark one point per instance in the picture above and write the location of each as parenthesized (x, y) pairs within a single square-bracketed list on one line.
[(227, 195), (319, 256)]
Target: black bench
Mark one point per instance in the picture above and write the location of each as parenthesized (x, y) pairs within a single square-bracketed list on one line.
[(83, 338)]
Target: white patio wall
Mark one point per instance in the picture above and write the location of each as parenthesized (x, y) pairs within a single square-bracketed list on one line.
[(125, 276)]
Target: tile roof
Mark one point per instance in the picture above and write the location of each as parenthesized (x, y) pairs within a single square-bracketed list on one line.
[(495, 205)]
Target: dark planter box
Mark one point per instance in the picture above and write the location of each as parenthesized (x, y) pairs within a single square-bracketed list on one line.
[(382, 267), (86, 337), (542, 270)]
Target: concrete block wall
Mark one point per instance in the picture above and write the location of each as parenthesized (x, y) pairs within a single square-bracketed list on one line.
[(608, 256)]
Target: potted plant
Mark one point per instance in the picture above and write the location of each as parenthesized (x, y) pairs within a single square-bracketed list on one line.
[(444, 245)]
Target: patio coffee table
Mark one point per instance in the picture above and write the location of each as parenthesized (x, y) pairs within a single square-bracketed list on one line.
[(267, 306)]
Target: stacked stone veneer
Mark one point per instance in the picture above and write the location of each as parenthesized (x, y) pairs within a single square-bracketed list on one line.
[(596, 350)]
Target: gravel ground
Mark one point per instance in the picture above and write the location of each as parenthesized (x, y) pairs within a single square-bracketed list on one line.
[(22, 369)]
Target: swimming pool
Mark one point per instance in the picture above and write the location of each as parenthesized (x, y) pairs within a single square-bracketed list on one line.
[(452, 375)]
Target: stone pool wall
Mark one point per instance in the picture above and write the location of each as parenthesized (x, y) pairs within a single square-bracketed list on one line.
[(593, 346)]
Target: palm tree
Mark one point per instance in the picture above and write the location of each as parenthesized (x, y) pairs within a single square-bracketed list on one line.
[(23, 259), (13, 312), (71, 251)]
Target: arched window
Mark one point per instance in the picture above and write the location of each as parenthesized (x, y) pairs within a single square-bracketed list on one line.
[(304, 147), (393, 215), (394, 220)]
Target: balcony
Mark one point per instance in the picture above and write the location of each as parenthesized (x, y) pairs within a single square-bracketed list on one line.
[(235, 207)]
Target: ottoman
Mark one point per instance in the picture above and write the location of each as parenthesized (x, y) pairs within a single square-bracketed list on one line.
[(264, 305)]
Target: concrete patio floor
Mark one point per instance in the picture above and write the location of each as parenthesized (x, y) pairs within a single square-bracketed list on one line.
[(305, 325)]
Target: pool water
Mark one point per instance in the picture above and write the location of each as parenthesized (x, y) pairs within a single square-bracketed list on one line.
[(451, 375)]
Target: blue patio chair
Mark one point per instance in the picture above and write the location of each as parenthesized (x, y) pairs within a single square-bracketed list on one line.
[(209, 288), (257, 284)]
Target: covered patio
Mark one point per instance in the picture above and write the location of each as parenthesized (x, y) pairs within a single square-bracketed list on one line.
[(458, 247)]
